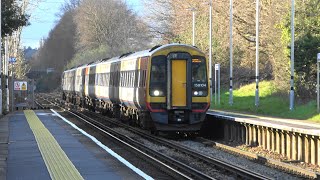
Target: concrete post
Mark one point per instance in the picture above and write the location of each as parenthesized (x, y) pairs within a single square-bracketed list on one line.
[(226, 132), (254, 131), (231, 132), (250, 135), (294, 146), (273, 140), (268, 139), (259, 136), (300, 147), (243, 134), (306, 149), (239, 139), (318, 150), (234, 132), (313, 150), (264, 138), (247, 134), (283, 143), (289, 144), (278, 139)]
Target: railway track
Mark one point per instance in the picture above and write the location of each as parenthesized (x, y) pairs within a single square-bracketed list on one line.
[(98, 121), (171, 166)]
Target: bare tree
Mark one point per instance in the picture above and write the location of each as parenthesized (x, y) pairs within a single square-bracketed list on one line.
[(110, 23)]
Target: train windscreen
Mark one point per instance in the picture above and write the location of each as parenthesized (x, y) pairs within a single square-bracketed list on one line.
[(158, 76), (199, 77)]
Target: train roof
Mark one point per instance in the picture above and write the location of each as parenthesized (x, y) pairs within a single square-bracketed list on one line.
[(132, 55)]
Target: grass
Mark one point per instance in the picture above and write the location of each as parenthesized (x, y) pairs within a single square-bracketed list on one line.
[(271, 103)]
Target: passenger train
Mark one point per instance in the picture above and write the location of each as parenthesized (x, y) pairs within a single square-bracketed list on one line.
[(161, 89)]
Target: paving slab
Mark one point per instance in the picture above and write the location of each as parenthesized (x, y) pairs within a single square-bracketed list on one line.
[(25, 161)]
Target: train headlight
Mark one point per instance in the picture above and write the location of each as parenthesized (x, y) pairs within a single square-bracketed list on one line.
[(200, 93), (157, 93)]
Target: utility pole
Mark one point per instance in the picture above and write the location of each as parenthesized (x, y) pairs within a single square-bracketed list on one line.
[(257, 54), (193, 24), (210, 49), (6, 72), (231, 55), (0, 62), (292, 58)]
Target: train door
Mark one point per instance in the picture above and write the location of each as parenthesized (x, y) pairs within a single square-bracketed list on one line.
[(179, 81), (83, 78), (92, 81)]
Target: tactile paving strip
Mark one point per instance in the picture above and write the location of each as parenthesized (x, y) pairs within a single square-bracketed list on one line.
[(58, 164)]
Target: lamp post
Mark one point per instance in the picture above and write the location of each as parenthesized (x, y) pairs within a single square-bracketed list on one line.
[(193, 24), (0, 63), (257, 54), (210, 48), (292, 58), (318, 71), (231, 54)]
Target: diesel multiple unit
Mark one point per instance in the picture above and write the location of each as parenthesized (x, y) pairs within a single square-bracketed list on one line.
[(162, 89)]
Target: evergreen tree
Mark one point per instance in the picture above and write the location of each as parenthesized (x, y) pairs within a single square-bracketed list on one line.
[(307, 45), (11, 17)]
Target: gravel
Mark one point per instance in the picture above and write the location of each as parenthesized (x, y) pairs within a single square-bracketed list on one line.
[(237, 160), (212, 152)]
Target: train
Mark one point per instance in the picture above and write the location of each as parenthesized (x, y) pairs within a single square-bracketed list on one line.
[(165, 88)]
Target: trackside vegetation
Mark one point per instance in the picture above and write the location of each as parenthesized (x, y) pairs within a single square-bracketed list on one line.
[(272, 103)]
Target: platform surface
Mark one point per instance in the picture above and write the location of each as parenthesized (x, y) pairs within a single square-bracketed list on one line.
[(21, 158), (298, 126)]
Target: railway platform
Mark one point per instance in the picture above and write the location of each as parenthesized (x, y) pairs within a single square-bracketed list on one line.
[(38, 145), (298, 140)]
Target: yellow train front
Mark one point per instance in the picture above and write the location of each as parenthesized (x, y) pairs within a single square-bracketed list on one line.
[(177, 93)]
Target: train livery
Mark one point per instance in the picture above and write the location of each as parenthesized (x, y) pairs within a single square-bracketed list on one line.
[(162, 89)]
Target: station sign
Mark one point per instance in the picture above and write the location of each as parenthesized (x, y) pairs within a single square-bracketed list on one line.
[(217, 67), (20, 85), (12, 60)]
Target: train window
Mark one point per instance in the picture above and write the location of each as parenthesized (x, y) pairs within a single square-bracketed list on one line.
[(132, 79), (144, 77), (105, 79), (101, 79), (86, 79), (91, 79), (158, 76), (111, 78), (199, 72), (124, 79), (97, 77), (158, 71), (128, 79), (108, 79), (140, 78)]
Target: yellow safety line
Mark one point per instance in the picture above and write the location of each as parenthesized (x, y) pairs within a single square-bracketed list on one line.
[(58, 164)]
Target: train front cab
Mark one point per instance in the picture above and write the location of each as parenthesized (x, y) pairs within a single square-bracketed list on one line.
[(178, 93)]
